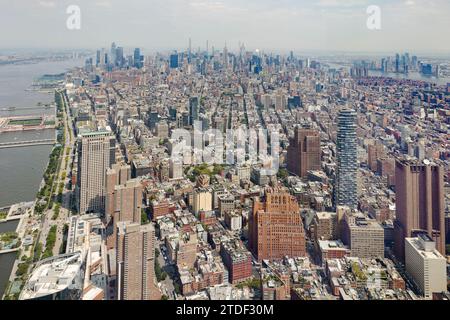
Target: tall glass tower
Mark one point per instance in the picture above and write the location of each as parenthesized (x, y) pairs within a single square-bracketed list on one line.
[(194, 110), (346, 193)]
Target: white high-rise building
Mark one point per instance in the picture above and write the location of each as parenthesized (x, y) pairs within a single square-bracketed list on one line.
[(175, 169), (426, 265), (202, 200)]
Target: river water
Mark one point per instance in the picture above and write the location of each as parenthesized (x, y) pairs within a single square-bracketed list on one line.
[(21, 168), (441, 81), (6, 259)]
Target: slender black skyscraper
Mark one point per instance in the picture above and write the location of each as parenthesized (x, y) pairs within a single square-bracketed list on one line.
[(346, 192), (190, 51), (194, 110)]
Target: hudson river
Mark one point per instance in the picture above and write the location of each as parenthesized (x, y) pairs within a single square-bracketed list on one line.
[(21, 168)]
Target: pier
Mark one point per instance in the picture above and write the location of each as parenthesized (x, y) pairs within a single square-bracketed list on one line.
[(25, 123)]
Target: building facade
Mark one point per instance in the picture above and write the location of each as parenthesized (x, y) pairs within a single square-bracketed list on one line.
[(136, 261), (346, 193), (276, 228), (419, 203), (303, 153), (96, 153), (426, 265)]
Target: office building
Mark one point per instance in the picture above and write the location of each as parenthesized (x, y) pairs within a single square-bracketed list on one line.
[(364, 236), (174, 61), (127, 201), (137, 58), (374, 152), (96, 153), (325, 226), (202, 200), (162, 130), (425, 265), (175, 169), (119, 57), (346, 193), (303, 153), (194, 110), (419, 189), (116, 175), (275, 227)]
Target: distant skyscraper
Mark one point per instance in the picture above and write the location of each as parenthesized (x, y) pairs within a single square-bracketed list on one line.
[(276, 227), (119, 57), (190, 51), (225, 56), (397, 63), (113, 53), (194, 110), (427, 69), (303, 153), (174, 61), (419, 190), (97, 58), (346, 193), (96, 153), (135, 262), (137, 58)]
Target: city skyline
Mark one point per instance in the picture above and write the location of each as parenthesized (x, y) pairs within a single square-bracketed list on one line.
[(184, 150), (322, 26)]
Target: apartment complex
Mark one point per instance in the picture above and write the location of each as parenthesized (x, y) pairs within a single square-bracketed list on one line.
[(136, 261)]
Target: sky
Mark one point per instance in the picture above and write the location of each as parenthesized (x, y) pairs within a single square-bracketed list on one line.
[(299, 25)]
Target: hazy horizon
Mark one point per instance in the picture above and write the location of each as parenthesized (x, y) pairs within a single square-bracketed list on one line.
[(269, 25)]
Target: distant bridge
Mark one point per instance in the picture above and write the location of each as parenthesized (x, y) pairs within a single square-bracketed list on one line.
[(25, 108), (15, 144)]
